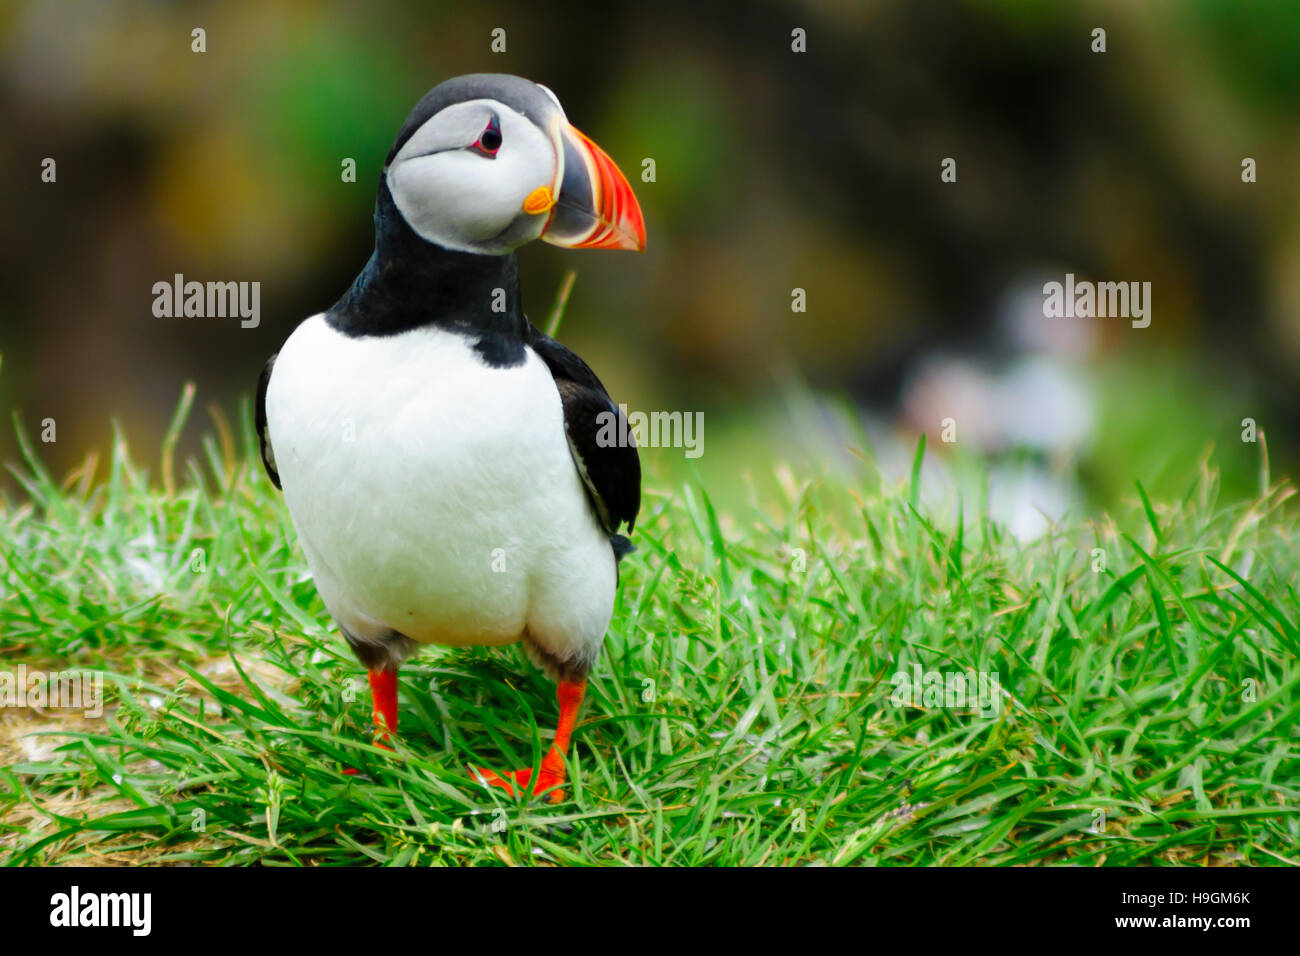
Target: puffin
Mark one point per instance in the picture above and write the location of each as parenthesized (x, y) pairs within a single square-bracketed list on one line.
[(448, 468)]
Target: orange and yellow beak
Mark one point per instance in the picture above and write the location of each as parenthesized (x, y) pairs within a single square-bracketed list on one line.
[(594, 207)]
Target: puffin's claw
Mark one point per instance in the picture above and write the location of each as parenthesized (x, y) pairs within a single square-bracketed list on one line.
[(379, 742)]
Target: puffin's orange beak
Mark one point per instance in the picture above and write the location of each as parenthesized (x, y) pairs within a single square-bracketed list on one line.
[(595, 207)]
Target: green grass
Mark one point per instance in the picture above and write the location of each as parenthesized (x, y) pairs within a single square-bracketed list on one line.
[(740, 713)]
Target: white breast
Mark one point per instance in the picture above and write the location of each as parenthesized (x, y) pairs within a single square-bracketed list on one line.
[(435, 495)]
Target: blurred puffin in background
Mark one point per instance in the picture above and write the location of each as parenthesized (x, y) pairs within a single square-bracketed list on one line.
[(439, 455)]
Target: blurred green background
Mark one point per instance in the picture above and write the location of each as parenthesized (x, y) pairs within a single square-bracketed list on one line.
[(775, 170)]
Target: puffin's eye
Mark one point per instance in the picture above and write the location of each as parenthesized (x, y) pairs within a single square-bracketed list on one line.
[(489, 141)]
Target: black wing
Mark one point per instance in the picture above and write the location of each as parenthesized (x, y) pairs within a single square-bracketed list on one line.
[(599, 438), (259, 422)]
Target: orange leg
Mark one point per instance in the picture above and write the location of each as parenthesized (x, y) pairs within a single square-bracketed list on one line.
[(383, 691), (551, 773)]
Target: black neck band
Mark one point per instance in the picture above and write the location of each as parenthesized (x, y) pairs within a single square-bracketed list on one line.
[(410, 282)]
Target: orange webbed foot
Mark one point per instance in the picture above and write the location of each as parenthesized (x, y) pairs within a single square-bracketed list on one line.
[(513, 781), (551, 773)]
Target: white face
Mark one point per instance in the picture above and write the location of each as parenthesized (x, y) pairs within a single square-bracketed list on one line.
[(453, 190)]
